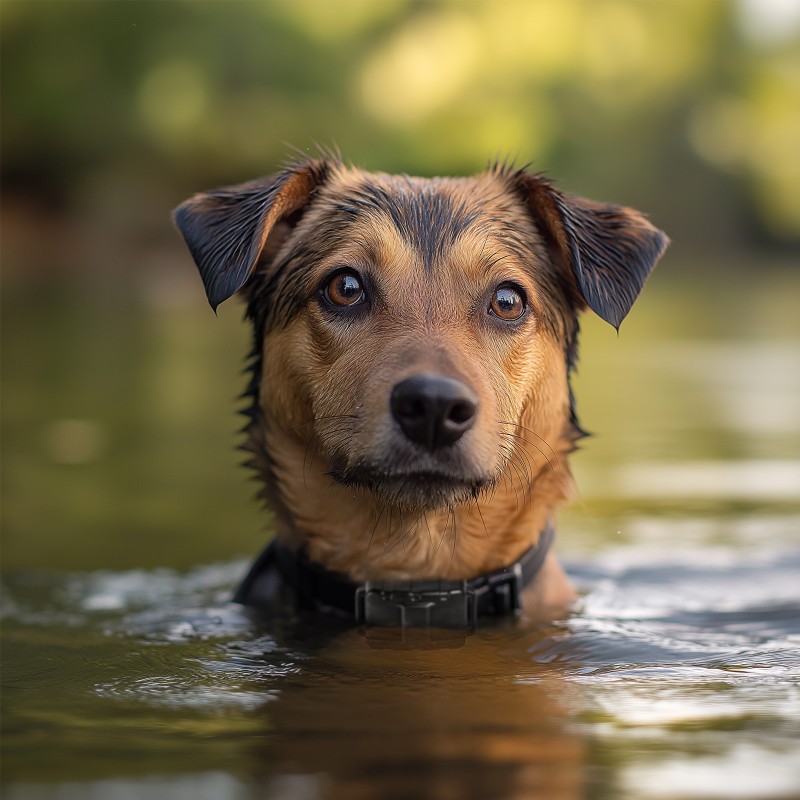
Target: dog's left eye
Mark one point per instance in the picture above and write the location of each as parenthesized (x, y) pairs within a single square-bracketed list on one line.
[(344, 289), (508, 303)]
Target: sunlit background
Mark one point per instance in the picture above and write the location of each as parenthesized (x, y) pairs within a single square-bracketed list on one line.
[(126, 519)]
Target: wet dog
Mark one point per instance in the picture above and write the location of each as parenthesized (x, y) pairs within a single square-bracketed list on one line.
[(411, 409)]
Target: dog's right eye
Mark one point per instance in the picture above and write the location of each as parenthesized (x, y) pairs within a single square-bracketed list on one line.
[(344, 289)]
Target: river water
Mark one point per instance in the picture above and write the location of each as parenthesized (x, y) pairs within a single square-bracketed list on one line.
[(128, 673)]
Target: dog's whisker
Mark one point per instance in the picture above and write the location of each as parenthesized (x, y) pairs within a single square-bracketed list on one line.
[(395, 525), (531, 431), (455, 537), (305, 457), (508, 450), (521, 475), (522, 457), (524, 467), (525, 460), (491, 490), (507, 476), (514, 487), (372, 535), (532, 444), (483, 521), (416, 525), (518, 437), (404, 515), (427, 527), (539, 450), (522, 462), (509, 453), (443, 534), (397, 542), (342, 424), (388, 536)]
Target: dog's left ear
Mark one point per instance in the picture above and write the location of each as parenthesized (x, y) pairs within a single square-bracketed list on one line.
[(609, 250), (227, 229)]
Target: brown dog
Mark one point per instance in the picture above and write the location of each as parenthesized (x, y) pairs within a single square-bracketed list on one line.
[(412, 414)]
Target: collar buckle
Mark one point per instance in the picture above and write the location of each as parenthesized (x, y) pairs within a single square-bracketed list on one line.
[(501, 592), (427, 614)]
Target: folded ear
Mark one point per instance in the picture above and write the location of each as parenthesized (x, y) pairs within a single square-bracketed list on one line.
[(227, 229), (609, 250)]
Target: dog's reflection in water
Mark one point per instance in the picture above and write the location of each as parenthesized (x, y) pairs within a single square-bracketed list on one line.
[(479, 722)]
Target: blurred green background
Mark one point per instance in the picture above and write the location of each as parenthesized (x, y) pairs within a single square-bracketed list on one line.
[(119, 384)]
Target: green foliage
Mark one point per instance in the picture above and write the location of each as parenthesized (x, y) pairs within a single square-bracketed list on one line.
[(685, 108)]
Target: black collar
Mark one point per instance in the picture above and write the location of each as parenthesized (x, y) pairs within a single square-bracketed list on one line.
[(408, 604)]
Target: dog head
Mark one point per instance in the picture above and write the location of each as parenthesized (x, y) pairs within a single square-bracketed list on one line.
[(413, 341)]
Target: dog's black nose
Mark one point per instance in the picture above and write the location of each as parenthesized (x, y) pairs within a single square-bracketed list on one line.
[(433, 410)]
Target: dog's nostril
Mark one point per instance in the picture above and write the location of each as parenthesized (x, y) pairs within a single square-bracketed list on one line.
[(461, 412), (410, 408), (433, 410)]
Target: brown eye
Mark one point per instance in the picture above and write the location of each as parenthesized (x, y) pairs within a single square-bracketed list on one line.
[(344, 289), (507, 303)]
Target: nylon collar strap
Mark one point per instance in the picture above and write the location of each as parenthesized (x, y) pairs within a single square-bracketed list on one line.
[(407, 604)]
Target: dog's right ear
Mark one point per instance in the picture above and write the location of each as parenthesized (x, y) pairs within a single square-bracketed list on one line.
[(227, 229)]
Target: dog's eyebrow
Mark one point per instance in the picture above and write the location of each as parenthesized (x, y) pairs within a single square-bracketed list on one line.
[(427, 217), (277, 293)]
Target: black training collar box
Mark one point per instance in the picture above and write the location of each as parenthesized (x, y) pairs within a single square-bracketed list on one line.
[(422, 613)]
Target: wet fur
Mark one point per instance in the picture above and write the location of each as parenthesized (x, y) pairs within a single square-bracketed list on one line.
[(339, 477)]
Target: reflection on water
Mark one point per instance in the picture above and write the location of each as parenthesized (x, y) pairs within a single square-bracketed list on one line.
[(152, 673), (676, 677)]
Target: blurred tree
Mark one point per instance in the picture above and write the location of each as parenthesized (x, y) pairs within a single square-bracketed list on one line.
[(679, 107)]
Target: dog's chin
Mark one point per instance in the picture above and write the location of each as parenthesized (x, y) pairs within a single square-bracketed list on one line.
[(411, 489)]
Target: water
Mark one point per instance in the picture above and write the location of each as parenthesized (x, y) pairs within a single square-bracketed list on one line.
[(128, 673)]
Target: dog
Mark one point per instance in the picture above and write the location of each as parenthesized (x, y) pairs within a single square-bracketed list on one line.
[(410, 413)]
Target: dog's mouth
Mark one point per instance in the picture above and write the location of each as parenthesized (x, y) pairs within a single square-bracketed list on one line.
[(413, 489)]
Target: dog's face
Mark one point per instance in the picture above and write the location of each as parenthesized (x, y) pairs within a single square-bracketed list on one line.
[(417, 334)]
